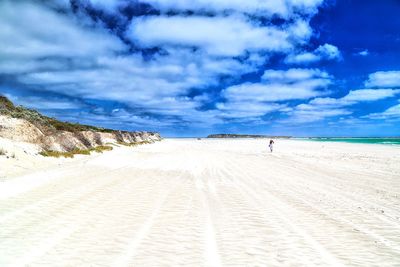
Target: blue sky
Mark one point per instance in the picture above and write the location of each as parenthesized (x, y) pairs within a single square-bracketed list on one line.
[(191, 68)]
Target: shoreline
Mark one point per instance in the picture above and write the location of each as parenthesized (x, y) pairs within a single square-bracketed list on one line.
[(354, 140), (348, 140)]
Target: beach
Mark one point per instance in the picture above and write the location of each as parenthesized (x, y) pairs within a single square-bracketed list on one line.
[(208, 202)]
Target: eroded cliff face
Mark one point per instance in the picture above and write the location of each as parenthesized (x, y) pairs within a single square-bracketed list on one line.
[(68, 141), (63, 141)]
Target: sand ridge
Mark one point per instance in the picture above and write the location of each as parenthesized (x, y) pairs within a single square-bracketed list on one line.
[(209, 203)]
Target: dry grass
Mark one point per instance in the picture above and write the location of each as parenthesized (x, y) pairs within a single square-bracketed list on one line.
[(100, 149), (56, 154), (72, 153), (135, 143), (81, 152)]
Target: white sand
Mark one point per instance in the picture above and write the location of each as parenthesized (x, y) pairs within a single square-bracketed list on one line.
[(207, 203)]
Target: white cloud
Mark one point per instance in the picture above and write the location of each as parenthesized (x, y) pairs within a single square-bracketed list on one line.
[(281, 8), (246, 109), (369, 94), (356, 96), (109, 5), (292, 75), (306, 114), (250, 6), (320, 108), (60, 36), (302, 58), (328, 51), (117, 120), (389, 114), (68, 54), (276, 85), (383, 79), (279, 85), (42, 103), (130, 79), (363, 53), (274, 91), (323, 52), (157, 85), (26, 65), (300, 31), (225, 36)]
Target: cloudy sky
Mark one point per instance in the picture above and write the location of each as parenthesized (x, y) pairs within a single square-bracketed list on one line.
[(191, 68)]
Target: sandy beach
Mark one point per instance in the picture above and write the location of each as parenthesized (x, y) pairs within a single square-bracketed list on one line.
[(218, 202)]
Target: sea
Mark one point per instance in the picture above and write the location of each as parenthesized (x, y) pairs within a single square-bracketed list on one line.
[(359, 140)]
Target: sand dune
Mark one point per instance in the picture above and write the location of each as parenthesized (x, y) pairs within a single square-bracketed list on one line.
[(208, 203)]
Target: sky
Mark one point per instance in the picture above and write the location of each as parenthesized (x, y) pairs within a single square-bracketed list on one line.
[(192, 68)]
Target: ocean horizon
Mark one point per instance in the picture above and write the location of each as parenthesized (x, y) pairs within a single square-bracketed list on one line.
[(357, 140)]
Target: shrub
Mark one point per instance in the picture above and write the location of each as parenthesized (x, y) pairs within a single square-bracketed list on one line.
[(100, 149), (5, 103), (56, 154), (123, 143), (80, 152), (135, 143), (76, 151)]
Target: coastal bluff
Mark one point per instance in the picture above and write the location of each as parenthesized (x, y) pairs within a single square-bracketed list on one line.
[(20, 124)]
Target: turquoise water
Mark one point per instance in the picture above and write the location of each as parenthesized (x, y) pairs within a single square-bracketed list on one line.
[(385, 141)]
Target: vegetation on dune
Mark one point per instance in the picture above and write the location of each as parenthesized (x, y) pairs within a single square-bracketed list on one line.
[(5, 103), (43, 122), (76, 151), (134, 143), (97, 149), (80, 152), (126, 143), (100, 149), (73, 127), (56, 154)]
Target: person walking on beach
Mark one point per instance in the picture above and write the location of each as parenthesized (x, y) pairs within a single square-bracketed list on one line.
[(271, 145)]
